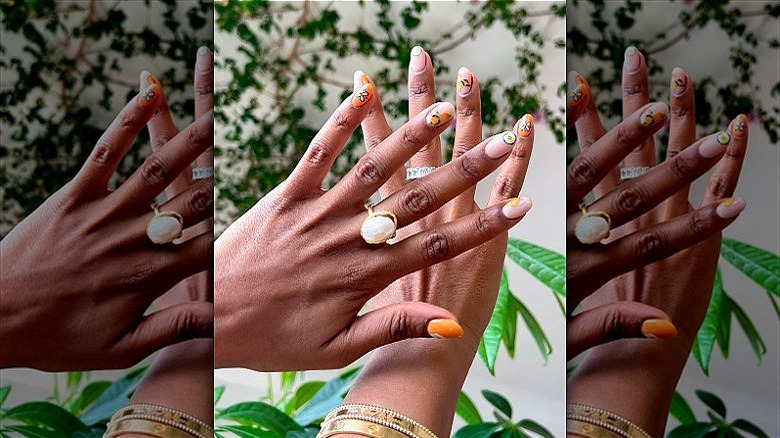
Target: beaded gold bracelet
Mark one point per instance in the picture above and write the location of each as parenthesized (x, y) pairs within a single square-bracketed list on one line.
[(587, 430), (358, 427), (165, 416), (377, 413), (149, 427), (604, 420)]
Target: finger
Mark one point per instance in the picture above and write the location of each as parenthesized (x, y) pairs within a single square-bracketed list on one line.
[(394, 323), (451, 239), (682, 132), (589, 130), (423, 196), (724, 177), (618, 320), (641, 194), (204, 95), (161, 131), (325, 147), (164, 165), (512, 174), (603, 156), (577, 98), (421, 96), (469, 131), (588, 273), (94, 175), (378, 164), (182, 322), (195, 204), (635, 96)]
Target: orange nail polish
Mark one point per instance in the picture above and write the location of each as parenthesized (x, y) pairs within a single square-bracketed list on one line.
[(149, 95), (739, 125), (655, 113), (526, 124), (658, 328), (362, 95), (442, 113), (444, 329)]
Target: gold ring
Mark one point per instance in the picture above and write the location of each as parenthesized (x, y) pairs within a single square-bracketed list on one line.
[(379, 226), (593, 226), (165, 226)]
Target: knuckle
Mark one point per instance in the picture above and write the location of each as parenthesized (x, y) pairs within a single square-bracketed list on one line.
[(417, 201), (650, 246), (680, 111), (629, 199), (318, 152), (127, 120), (719, 186), (735, 153), (412, 137), (699, 222), (103, 153), (506, 186), (465, 112), (623, 137), (469, 168), (587, 140), (369, 171), (196, 134), (372, 140), (340, 120), (398, 327), (521, 153), (204, 89), (158, 141), (684, 166), (581, 171), (419, 88), (201, 200), (435, 247), (485, 223), (632, 89), (139, 273), (155, 170)]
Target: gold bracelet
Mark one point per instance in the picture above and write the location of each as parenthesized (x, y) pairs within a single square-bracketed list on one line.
[(358, 427), (587, 430), (398, 421), (153, 428), (605, 419), (167, 416)]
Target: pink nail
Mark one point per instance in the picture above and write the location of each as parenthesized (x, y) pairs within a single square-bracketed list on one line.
[(501, 144), (419, 59), (655, 113), (714, 145), (516, 208), (631, 60), (731, 207)]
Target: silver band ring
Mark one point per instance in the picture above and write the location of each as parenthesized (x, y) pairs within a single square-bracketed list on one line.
[(632, 172), (379, 226), (418, 172), (202, 172)]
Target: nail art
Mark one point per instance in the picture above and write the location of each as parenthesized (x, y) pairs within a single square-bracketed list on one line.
[(516, 208), (730, 207), (362, 95), (678, 81), (578, 93), (465, 81), (148, 96), (631, 60), (441, 114), (714, 146), (444, 329), (723, 138), (418, 60), (509, 137), (526, 124), (738, 126), (654, 114), (203, 51), (500, 145), (658, 328)]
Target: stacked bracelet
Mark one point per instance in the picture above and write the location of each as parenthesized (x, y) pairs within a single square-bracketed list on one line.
[(372, 421), (592, 422), (156, 420)]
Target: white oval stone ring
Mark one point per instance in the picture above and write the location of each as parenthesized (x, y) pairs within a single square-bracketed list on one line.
[(593, 226), (379, 226), (165, 226)]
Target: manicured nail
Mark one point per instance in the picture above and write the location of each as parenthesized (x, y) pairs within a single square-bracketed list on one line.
[(526, 125), (418, 59), (150, 79), (658, 328), (442, 113), (714, 145), (731, 207), (631, 60), (204, 63), (444, 329), (500, 145), (465, 81), (739, 125), (578, 89), (516, 208), (363, 95), (149, 95), (678, 82), (655, 113)]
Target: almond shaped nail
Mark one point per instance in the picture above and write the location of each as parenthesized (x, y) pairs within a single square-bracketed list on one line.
[(444, 329), (714, 145), (442, 113), (730, 207), (655, 113), (631, 60), (148, 96), (363, 95), (678, 82), (465, 81), (526, 125), (418, 60), (516, 208), (658, 328), (739, 125), (500, 145)]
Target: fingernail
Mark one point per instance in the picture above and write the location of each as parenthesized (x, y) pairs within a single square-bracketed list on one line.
[(444, 329), (500, 145), (418, 59), (739, 125), (714, 145), (578, 89), (360, 78), (150, 79), (442, 113), (363, 95), (516, 208), (655, 113), (465, 81), (658, 328), (204, 63), (678, 82), (631, 60), (731, 207), (526, 125), (149, 95)]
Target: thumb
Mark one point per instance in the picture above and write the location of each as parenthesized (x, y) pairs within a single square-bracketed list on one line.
[(181, 322), (610, 322)]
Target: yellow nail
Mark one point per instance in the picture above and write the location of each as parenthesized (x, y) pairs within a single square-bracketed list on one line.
[(363, 95), (658, 328), (444, 329)]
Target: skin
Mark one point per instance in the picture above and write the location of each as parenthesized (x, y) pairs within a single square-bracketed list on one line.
[(668, 252), (105, 262)]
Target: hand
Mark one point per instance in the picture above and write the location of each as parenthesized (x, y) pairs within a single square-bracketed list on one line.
[(84, 307), (293, 272), (653, 278)]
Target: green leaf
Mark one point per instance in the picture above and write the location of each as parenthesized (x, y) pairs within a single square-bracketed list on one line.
[(73, 379), (491, 338), (681, 410), (88, 396), (4, 391), (750, 428), (113, 398), (248, 431), (480, 430), (466, 410), (712, 401), (287, 380), (705, 338), (759, 348), (509, 335), (34, 432), (545, 265), (305, 393), (48, 415), (542, 342), (327, 398), (696, 430), (261, 414), (498, 400), (218, 391), (759, 265), (535, 427)]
